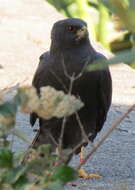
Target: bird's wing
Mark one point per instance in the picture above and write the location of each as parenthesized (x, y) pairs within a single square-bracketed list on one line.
[(38, 79), (104, 95), (41, 70)]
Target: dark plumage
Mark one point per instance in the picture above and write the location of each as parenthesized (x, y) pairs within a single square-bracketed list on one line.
[(70, 45)]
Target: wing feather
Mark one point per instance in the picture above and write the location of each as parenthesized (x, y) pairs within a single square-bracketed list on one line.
[(38, 80)]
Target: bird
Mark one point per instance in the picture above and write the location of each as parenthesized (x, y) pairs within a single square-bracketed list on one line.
[(70, 51)]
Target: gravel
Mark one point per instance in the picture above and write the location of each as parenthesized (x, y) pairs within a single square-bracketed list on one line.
[(24, 35)]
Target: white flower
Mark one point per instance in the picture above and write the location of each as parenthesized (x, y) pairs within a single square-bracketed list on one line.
[(68, 106), (55, 103), (32, 100), (49, 100)]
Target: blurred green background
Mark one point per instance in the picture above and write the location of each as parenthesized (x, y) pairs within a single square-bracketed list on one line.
[(111, 22)]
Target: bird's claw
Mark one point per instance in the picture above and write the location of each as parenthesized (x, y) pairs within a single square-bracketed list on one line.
[(82, 173)]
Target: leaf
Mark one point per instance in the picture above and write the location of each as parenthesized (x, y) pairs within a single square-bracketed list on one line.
[(20, 183), (15, 174), (64, 173), (124, 56), (21, 135), (124, 9), (6, 158), (8, 109)]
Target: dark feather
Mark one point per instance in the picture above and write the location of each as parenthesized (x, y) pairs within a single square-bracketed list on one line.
[(94, 88)]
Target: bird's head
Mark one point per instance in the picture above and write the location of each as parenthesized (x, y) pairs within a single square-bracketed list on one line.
[(69, 32)]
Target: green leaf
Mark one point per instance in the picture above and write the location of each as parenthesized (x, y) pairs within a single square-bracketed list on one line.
[(122, 57), (124, 9), (20, 183), (55, 186), (6, 158), (64, 173), (21, 135), (15, 174), (8, 109)]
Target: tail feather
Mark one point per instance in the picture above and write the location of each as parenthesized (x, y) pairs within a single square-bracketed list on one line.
[(33, 118)]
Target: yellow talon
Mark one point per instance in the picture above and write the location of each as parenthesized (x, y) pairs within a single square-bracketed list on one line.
[(83, 174), (94, 176)]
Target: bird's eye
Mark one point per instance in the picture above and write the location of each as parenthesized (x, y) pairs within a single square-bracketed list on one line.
[(71, 28)]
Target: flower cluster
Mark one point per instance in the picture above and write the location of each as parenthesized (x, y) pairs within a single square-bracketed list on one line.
[(51, 103), (31, 99), (67, 106)]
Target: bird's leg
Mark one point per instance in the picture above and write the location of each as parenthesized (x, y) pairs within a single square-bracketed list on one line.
[(82, 173), (56, 163), (82, 154)]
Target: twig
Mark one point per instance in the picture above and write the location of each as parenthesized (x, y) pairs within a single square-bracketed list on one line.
[(61, 136), (82, 128), (59, 80), (74, 150), (79, 145), (115, 124), (9, 87), (72, 79), (65, 70), (53, 139), (13, 86), (77, 76)]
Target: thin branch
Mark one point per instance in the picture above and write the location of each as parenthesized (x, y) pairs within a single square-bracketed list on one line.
[(74, 149), (82, 128), (115, 124), (85, 65), (12, 86), (65, 69), (61, 136), (59, 80), (72, 79), (77, 76), (79, 145), (53, 139)]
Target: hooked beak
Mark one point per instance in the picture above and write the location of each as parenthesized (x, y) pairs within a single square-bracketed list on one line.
[(82, 33)]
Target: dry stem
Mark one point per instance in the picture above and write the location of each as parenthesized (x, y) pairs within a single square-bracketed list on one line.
[(85, 136), (61, 136), (115, 124)]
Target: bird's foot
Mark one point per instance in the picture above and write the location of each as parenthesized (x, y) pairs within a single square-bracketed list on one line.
[(83, 174)]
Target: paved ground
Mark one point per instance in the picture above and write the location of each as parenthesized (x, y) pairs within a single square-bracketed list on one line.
[(24, 35)]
